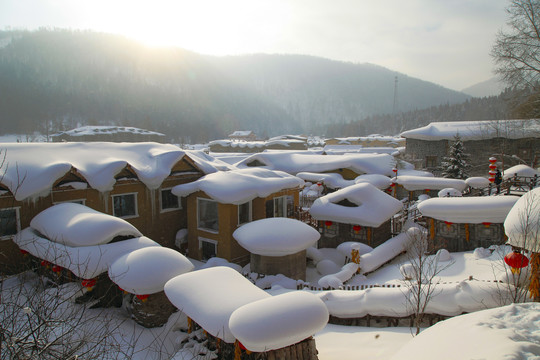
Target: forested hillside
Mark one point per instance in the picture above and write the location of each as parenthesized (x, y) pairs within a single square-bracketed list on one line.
[(57, 80)]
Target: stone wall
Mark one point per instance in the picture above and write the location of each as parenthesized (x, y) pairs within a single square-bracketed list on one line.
[(292, 266)]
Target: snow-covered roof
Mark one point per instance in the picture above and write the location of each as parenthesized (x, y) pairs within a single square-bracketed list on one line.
[(278, 321), (33, 168), (343, 149), (520, 170), (412, 183), (77, 225), (374, 206), (240, 186), (507, 332), (522, 225), (207, 163), (477, 182), (372, 137), (336, 181), (241, 133), (468, 210), (103, 129), (145, 271), (85, 261), (210, 296), (293, 163), (276, 236), (475, 130), (255, 144)]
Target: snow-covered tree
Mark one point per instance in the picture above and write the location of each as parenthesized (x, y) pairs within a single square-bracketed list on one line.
[(455, 164)]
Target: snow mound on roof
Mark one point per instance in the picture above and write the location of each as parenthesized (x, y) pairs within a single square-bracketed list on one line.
[(374, 206), (145, 271), (468, 210), (85, 262), (276, 236), (104, 129), (331, 180), (77, 225), (379, 181), (413, 183), (207, 163), (210, 296), (508, 332), (240, 186), (278, 321), (522, 225), (477, 182), (97, 162), (520, 170), (449, 192), (293, 163)]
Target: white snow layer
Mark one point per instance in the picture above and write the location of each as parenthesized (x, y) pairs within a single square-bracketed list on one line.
[(293, 163), (104, 129), (468, 210), (278, 321), (77, 225), (520, 170), (210, 296), (449, 299), (522, 225), (374, 206), (477, 182), (413, 183), (508, 332), (385, 252), (474, 130), (276, 236), (29, 176), (85, 262), (240, 186), (145, 271)]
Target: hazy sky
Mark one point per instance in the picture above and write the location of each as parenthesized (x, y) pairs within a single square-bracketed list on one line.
[(442, 41)]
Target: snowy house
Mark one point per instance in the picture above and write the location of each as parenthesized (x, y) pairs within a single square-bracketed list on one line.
[(254, 146), (417, 185), (108, 133), (349, 166), (132, 181), (508, 140), (247, 135), (466, 223), (277, 246), (225, 200), (360, 213), (369, 141)]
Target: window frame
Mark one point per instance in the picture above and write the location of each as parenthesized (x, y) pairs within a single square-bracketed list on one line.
[(17, 222), (209, 241), (164, 210), (136, 205), (283, 207), (198, 216), (250, 213)]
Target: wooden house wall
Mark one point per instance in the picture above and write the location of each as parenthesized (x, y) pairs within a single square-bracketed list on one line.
[(464, 237), (366, 235)]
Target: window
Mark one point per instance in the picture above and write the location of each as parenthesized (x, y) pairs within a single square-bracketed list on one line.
[(208, 248), (77, 201), (281, 206), (169, 201), (244, 213), (207, 215), (125, 205), (9, 222), (431, 161), (331, 228)]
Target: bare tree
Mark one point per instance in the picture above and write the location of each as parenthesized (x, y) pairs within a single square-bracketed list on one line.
[(420, 274), (516, 51)]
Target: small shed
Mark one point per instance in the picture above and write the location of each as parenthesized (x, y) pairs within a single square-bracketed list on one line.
[(277, 246), (417, 185), (466, 223), (360, 213)]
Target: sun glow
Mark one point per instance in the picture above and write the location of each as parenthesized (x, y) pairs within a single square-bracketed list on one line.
[(205, 26)]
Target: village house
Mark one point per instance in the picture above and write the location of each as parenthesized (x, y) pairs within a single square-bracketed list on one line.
[(132, 181), (223, 201), (255, 146), (246, 135), (411, 186), (368, 141), (466, 223), (108, 134), (510, 141), (360, 213)]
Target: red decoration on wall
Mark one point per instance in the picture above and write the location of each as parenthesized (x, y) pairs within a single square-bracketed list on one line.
[(328, 223), (486, 224), (143, 298), (45, 263), (357, 228), (24, 252), (57, 269), (89, 283)]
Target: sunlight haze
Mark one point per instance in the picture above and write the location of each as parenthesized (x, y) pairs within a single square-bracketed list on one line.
[(445, 42)]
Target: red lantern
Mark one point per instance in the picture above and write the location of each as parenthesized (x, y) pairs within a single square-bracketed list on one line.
[(491, 179), (143, 298), (23, 252), (492, 173), (394, 170), (392, 184), (516, 261), (486, 224), (57, 269), (89, 283), (492, 166), (492, 160), (241, 346), (427, 190), (45, 263), (328, 223), (357, 228)]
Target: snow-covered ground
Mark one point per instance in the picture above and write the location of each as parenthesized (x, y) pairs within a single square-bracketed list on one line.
[(512, 336)]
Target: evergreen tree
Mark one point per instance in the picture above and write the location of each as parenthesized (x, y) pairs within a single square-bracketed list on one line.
[(455, 165)]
